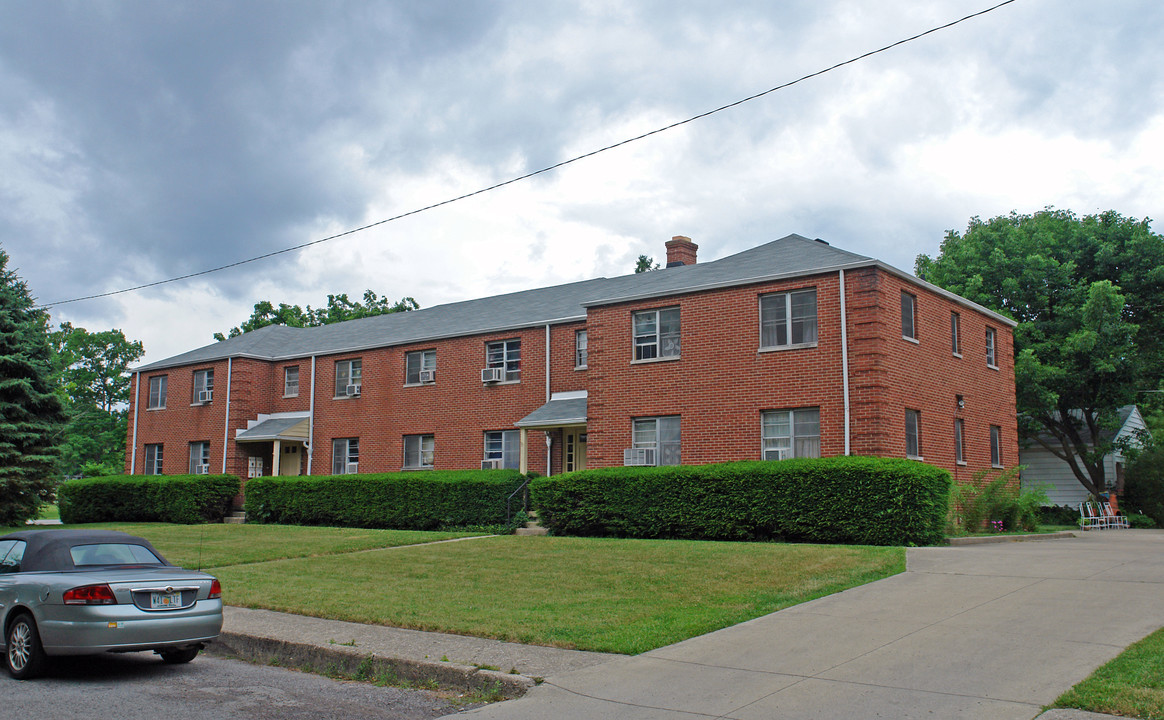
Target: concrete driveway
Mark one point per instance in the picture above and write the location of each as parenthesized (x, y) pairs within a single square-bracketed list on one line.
[(985, 631)]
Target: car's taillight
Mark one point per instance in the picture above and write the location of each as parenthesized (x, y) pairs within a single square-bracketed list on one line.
[(90, 595), (215, 589)]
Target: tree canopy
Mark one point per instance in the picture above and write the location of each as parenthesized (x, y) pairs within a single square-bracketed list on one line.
[(1087, 294), (645, 264), (338, 309), (30, 409)]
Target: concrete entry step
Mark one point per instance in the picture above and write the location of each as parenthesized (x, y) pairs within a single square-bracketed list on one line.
[(235, 518)]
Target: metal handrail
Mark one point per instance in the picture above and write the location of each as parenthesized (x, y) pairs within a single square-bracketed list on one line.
[(509, 500)]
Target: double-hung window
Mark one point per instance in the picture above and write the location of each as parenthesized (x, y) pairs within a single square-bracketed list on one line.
[(504, 446), (658, 438), (419, 451), (345, 456), (157, 398), (790, 433), (505, 354), (956, 334), (153, 459), (199, 458), (656, 334), (960, 441), (908, 316), (913, 446), (579, 349), (996, 446), (203, 386), (991, 336), (420, 367), (349, 376), (291, 381), (788, 319)]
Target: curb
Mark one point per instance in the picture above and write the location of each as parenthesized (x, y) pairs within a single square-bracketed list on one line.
[(447, 675), (956, 541)]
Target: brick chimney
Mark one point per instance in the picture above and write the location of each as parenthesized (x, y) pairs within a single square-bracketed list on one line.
[(681, 251)]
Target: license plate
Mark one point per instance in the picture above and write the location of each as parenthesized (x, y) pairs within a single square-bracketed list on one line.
[(161, 600)]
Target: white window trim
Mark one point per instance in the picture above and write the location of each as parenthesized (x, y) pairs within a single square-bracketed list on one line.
[(659, 357), (996, 447), (956, 336), (504, 364), (912, 319), (422, 354), (419, 451), (792, 436), (787, 321), (917, 426), (296, 393), (162, 396), (992, 348), (349, 362), (584, 365), (959, 441)]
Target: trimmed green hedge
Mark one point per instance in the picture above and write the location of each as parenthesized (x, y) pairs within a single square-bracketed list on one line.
[(426, 500), (184, 499), (855, 500)]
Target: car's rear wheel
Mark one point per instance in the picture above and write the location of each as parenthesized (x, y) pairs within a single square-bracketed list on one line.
[(25, 657), (177, 657)]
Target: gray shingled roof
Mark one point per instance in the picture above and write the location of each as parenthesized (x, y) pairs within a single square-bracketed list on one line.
[(272, 429), (556, 413), (789, 256)]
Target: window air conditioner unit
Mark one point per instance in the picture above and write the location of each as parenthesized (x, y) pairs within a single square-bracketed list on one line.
[(352, 390), (352, 468), (777, 454), (492, 375), (427, 376), (202, 469), (632, 457), (491, 464), (204, 396)]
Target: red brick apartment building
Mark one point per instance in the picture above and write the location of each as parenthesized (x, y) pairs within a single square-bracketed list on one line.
[(794, 348)]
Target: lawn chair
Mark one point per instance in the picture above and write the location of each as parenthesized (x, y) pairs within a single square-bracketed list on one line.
[(1090, 518), (1114, 520)]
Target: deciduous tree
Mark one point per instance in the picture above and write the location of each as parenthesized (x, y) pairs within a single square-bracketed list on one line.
[(338, 309)]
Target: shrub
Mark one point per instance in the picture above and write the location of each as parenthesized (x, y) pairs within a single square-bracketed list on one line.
[(1057, 515), (428, 500), (859, 500), (1140, 522), (183, 499), (1144, 485), (985, 499)]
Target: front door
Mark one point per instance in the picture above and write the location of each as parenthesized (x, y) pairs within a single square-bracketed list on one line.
[(575, 450), (290, 461)]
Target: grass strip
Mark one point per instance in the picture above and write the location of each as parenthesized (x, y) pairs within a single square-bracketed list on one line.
[(215, 546), (609, 595), (1131, 685)]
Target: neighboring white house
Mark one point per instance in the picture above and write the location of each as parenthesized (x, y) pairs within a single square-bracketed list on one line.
[(1063, 488)]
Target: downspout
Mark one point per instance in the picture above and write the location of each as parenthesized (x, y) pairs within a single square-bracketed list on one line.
[(136, 402), (311, 419), (845, 359), (549, 440), (226, 430)]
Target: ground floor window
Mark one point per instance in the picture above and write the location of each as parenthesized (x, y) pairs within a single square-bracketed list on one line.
[(419, 451), (345, 456), (960, 441), (790, 433), (503, 449), (153, 459), (199, 458), (995, 446), (654, 441), (913, 448)]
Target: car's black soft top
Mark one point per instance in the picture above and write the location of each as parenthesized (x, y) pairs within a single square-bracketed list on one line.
[(48, 550)]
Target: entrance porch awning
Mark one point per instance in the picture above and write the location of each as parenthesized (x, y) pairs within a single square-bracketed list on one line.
[(556, 413), (286, 429)]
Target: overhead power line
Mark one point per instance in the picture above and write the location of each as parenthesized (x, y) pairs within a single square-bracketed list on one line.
[(529, 175)]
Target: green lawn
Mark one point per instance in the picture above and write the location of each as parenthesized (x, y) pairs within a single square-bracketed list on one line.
[(625, 596), (1131, 685)]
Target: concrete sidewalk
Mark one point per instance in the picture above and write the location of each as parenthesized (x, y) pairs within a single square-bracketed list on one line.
[(984, 631)]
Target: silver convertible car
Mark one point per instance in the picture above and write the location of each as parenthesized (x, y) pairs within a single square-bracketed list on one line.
[(77, 592)]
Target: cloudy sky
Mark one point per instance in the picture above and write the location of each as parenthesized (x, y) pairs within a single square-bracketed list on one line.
[(146, 140)]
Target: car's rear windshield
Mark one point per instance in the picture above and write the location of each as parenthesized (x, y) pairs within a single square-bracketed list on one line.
[(113, 554)]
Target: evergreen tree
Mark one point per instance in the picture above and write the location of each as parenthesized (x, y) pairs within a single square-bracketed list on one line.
[(31, 416)]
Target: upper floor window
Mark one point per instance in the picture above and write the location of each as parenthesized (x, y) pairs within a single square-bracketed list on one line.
[(419, 451), (153, 459), (345, 456), (503, 449), (960, 441), (990, 347), (199, 458), (654, 441), (908, 316), (203, 386), (420, 367), (656, 334), (157, 392), (956, 334), (580, 349), (788, 318), (349, 376), (505, 355), (913, 446), (790, 433), (996, 446), (291, 381)]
